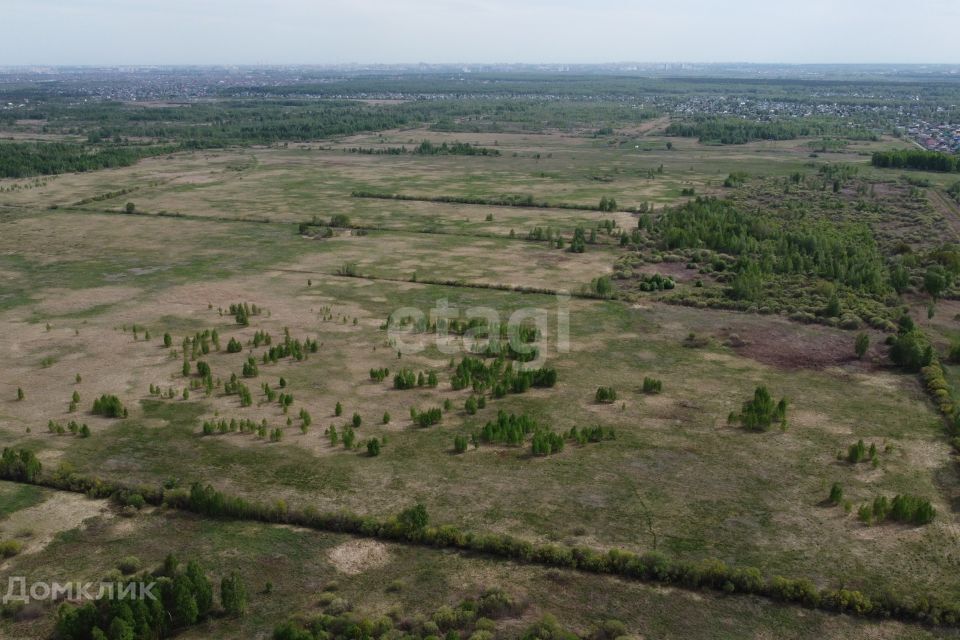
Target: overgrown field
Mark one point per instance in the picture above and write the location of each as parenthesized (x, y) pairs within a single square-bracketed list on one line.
[(238, 313)]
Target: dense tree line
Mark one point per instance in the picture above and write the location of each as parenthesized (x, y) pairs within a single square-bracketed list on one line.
[(513, 200), (651, 566), (916, 159), (847, 254), (741, 131), (25, 159), (427, 148)]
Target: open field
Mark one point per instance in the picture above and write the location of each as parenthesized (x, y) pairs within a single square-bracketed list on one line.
[(90, 287)]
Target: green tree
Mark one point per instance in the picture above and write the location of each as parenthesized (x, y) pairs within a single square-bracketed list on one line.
[(130, 207), (120, 629), (861, 344), (202, 589), (182, 603), (935, 280), (20, 395), (338, 410), (233, 595), (373, 447)]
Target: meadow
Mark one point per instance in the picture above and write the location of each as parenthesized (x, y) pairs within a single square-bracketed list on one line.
[(98, 268)]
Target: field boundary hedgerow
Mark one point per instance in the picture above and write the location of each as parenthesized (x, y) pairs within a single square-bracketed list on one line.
[(652, 567)]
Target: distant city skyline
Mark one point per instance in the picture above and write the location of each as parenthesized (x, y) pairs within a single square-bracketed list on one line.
[(244, 32)]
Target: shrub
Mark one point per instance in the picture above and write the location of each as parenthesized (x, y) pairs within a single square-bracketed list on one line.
[(373, 447), (404, 379), (545, 443), (109, 406), (460, 444), (606, 395), (911, 350), (130, 564), (652, 385), (836, 494), (413, 519), (10, 548), (861, 344), (760, 412)]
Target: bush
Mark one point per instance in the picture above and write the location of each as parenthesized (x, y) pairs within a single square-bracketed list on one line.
[(460, 444), (606, 395), (10, 548), (911, 350), (861, 344), (404, 379), (836, 494), (109, 406), (760, 412), (130, 564), (652, 385)]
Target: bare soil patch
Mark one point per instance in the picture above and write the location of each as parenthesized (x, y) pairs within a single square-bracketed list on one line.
[(790, 346), (357, 556), (37, 526)]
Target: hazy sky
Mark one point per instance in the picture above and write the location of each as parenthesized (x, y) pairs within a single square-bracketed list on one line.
[(397, 31)]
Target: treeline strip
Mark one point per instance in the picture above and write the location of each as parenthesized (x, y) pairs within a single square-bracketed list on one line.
[(916, 159), (24, 160), (712, 574), (478, 285), (526, 201), (160, 214)]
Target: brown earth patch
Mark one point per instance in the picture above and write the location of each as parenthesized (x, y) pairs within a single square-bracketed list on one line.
[(356, 556), (38, 525), (789, 345)]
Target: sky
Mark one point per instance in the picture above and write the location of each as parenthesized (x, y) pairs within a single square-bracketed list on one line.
[(119, 32)]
